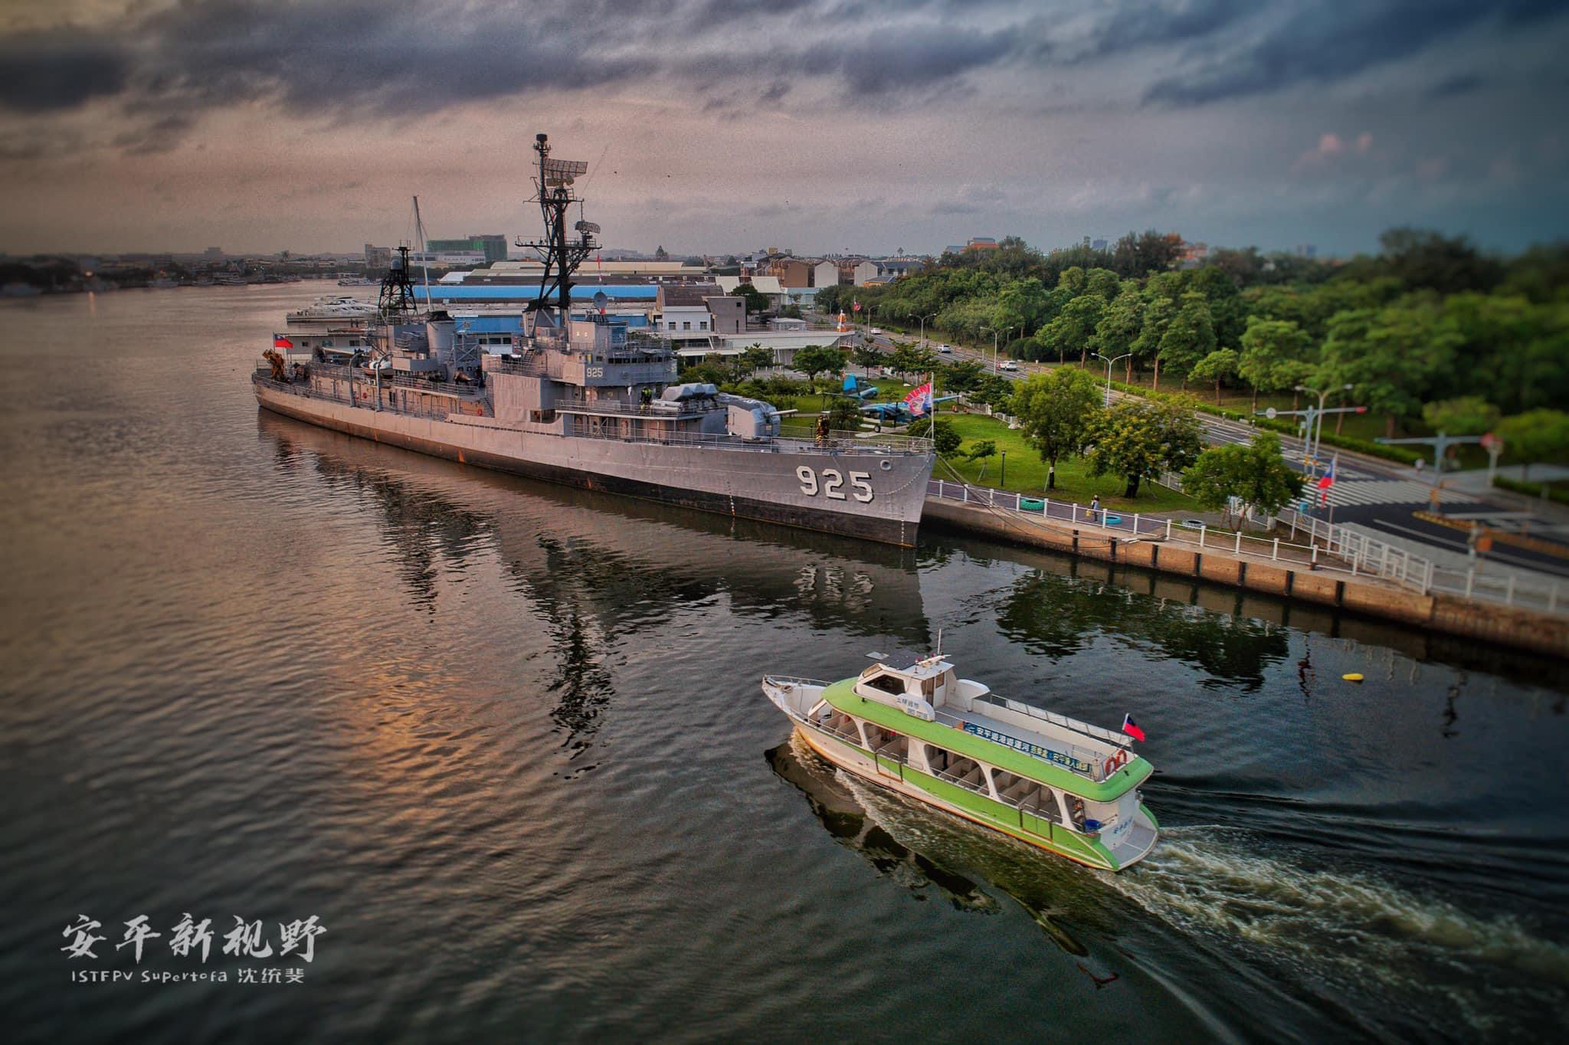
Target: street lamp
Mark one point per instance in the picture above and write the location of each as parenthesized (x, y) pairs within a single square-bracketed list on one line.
[(1109, 364), (1315, 442), (923, 320), (1009, 330)]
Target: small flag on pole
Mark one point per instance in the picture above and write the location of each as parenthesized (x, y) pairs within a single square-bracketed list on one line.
[(1329, 476), (1131, 728), (920, 400), (281, 343), (857, 306)]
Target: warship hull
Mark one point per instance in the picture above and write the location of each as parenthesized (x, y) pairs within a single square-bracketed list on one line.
[(868, 491)]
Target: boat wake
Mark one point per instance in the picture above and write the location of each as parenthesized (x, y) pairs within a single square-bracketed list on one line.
[(1378, 949)]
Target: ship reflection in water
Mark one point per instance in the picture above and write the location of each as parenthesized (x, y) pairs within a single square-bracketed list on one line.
[(596, 569)]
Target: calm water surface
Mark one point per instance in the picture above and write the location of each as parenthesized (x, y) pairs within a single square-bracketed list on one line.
[(505, 743)]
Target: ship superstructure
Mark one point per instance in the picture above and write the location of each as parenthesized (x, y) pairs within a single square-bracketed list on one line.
[(587, 402)]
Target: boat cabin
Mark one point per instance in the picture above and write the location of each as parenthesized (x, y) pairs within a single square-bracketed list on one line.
[(915, 684)]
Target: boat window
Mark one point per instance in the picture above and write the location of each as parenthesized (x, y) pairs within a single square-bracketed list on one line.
[(886, 742), (887, 683)]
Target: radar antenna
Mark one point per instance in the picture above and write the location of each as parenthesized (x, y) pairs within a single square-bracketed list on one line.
[(560, 255), (397, 293)]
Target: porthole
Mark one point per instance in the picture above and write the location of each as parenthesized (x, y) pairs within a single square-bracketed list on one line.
[(886, 466)]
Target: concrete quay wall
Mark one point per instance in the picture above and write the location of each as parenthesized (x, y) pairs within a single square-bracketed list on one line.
[(1501, 625)]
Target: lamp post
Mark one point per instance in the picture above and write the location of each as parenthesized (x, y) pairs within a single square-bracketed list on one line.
[(1315, 441), (1003, 481), (1009, 330), (1109, 364), (923, 320)]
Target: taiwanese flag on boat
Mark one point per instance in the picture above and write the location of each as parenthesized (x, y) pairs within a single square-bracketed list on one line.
[(281, 343), (920, 400), (1131, 728)]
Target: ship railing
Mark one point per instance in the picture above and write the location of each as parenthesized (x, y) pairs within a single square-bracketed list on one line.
[(969, 785), (1089, 756), (1093, 759), (388, 379), (307, 390), (848, 446), (626, 407)]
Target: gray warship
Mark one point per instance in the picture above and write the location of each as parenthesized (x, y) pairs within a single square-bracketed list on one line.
[(584, 401)]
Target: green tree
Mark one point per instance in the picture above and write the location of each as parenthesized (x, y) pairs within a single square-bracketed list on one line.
[(965, 376), (844, 414), (1073, 328), (983, 450), (1228, 312), (756, 300), (1217, 366), (1139, 439), (866, 357), (907, 359), (1467, 415), (1055, 410), (1021, 306), (1120, 324), (941, 433), (1536, 435), (1188, 338), (1448, 265), (1273, 356), (1393, 356), (755, 358), (1256, 475), (818, 359)]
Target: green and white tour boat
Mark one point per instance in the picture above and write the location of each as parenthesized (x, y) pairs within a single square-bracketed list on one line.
[(910, 724)]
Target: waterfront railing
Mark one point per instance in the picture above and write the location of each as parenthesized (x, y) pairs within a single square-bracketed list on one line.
[(1311, 542)]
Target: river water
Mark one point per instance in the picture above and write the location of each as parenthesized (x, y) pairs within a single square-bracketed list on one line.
[(505, 744)]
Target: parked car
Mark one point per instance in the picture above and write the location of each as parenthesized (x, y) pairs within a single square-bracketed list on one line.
[(1008, 365)]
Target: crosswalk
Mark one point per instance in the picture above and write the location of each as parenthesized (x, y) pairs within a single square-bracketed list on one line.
[(1385, 491)]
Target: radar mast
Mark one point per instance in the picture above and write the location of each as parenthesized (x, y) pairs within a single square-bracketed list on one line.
[(561, 255)]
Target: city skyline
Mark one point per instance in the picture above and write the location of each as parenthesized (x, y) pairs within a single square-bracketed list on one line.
[(819, 127)]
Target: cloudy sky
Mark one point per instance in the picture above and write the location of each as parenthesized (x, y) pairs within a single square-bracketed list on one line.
[(818, 125)]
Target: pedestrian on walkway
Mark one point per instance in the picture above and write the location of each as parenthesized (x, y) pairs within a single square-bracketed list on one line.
[(1094, 504)]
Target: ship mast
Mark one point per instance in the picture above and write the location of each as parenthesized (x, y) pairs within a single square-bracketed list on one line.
[(560, 255)]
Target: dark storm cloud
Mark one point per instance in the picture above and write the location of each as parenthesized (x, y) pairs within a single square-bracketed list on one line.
[(349, 59), (54, 69), (1117, 30), (1325, 43), (1455, 86), (364, 56)]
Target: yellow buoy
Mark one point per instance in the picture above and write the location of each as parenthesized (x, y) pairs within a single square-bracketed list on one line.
[(1352, 677)]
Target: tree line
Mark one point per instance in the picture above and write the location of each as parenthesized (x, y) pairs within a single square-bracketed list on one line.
[(1428, 319)]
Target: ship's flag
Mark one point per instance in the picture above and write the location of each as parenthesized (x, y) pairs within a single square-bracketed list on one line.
[(857, 306), (1131, 728), (1329, 476), (920, 400), (282, 343)]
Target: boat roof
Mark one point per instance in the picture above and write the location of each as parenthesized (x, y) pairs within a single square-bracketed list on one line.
[(842, 695), (911, 663)]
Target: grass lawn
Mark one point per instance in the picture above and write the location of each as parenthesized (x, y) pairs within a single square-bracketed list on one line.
[(1026, 472)]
